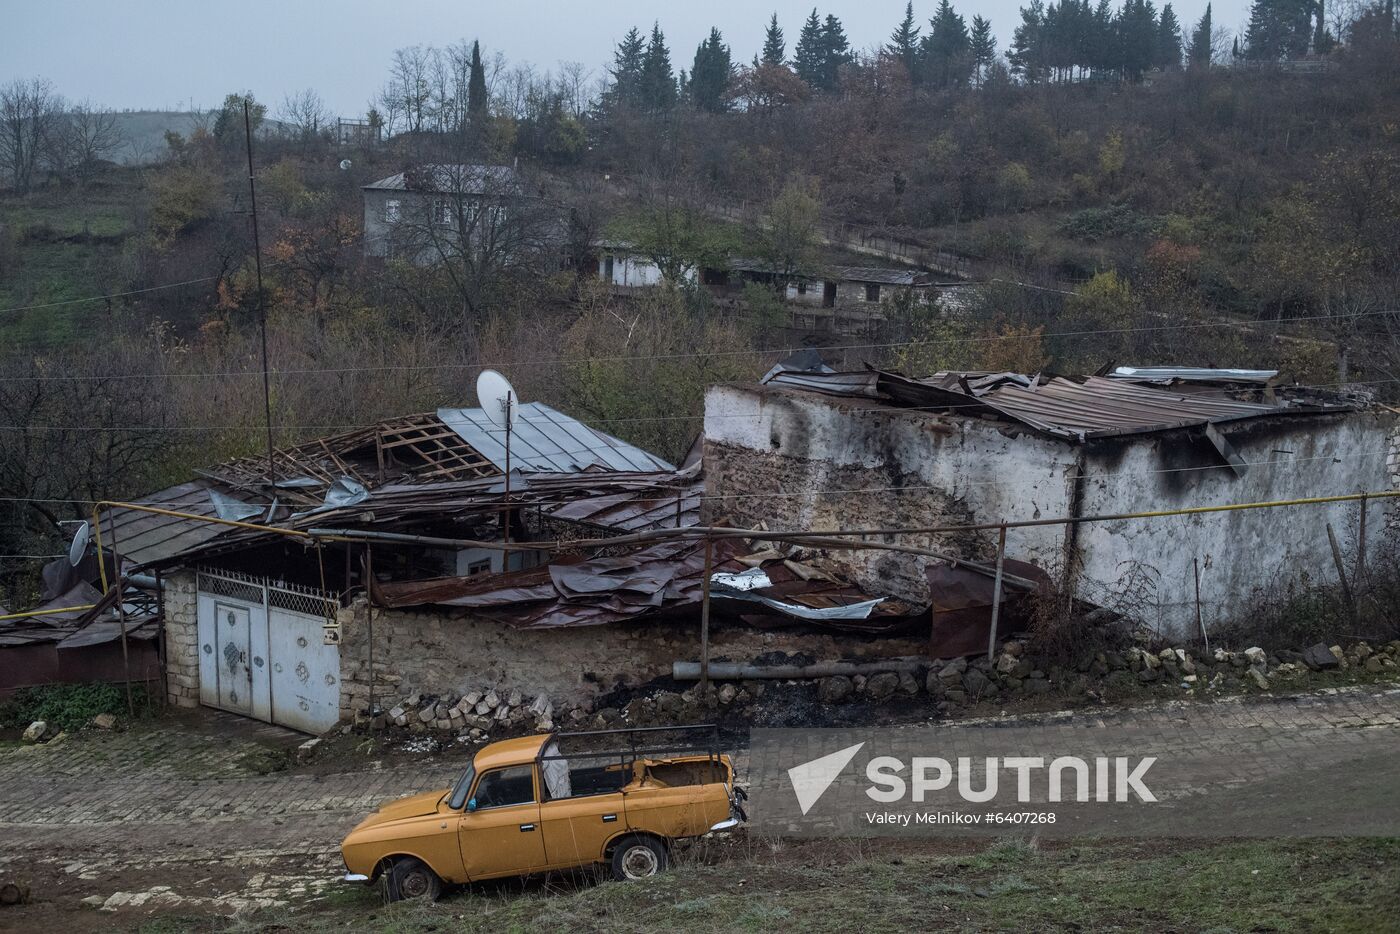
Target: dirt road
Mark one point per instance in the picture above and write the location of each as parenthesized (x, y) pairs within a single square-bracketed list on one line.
[(202, 814)]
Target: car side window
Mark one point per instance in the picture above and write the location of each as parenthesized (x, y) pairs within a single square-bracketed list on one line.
[(504, 787)]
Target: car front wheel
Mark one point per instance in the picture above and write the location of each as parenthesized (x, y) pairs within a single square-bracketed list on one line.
[(411, 878), (638, 858)]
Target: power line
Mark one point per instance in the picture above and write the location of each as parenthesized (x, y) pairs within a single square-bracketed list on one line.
[(103, 298), (757, 351)]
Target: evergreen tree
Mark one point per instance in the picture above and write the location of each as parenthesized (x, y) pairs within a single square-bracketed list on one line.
[(1278, 29), (1137, 34), (984, 46), (658, 82), (904, 43), (627, 69), (711, 74), (1199, 56), (809, 57), (1027, 48), (836, 52), (947, 50), (774, 48), (1168, 39), (476, 87)]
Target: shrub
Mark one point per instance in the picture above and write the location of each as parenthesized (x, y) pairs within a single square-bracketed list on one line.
[(66, 706)]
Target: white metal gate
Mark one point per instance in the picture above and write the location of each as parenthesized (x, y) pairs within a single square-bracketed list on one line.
[(263, 651)]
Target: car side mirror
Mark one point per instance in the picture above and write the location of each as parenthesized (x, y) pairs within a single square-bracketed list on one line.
[(471, 805)]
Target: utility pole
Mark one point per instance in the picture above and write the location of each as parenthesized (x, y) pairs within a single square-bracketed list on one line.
[(262, 300)]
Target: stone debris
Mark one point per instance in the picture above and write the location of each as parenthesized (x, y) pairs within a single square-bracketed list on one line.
[(35, 732)]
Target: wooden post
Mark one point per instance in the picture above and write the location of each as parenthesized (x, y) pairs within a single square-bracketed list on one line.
[(705, 620), (1361, 545), (1200, 623), (121, 619), (996, 594), (1341, 572), (369, 624)]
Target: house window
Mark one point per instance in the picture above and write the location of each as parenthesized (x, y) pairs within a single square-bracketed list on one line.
[(479, 567), (391, 211), (801, 288), (872, 291), (442, 211)]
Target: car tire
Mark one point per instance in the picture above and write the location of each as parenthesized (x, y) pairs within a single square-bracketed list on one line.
[(411, 878), (638, 858)]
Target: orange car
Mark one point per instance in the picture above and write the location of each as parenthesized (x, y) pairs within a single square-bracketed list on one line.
[(535, 803)]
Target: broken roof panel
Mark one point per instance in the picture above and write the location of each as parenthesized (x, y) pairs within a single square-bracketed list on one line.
[(548, 441), (1192, 374), (1075, 409)]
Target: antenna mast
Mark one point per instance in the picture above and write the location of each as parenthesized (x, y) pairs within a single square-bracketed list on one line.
[(262, 301)]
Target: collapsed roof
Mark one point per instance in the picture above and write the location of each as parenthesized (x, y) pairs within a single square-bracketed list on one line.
[(1074, 408), (434, 466)]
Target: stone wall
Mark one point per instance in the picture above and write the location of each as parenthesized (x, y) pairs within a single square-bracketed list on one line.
[(806, 461), (181, 639), (444, 652), (800, 461)]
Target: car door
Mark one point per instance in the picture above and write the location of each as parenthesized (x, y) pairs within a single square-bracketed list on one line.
[(575, 829), (499, 833)]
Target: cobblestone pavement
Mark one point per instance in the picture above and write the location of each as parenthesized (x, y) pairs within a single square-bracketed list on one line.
[(184, 813)]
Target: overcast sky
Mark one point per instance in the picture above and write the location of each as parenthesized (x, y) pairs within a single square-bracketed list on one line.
[(165, 54)]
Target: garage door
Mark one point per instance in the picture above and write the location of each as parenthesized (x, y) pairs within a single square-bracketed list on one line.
[(263, 651)]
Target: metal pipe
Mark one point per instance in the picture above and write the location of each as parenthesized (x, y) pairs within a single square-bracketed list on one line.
[(365, 535), (262, 296), (736, 671), (996, 594)]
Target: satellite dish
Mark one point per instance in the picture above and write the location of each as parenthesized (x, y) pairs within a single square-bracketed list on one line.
[(345, 164), (78, 549), (497, 398)]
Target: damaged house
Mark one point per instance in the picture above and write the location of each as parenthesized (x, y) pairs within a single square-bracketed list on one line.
[(815, 449), (403, 558)]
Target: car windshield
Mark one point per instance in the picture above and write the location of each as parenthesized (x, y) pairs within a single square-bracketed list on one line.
[(463, 786)]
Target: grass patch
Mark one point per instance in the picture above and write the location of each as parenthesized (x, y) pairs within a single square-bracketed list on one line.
[(839, 886)]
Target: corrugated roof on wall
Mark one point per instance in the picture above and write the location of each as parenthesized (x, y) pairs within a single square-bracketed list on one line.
[(1074, 409), (547, 440)]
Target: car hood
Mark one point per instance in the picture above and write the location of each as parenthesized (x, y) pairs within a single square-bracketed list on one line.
[(412, 806)]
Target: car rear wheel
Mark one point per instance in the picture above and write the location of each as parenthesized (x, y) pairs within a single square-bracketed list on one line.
[(638, 858), (411, 878)]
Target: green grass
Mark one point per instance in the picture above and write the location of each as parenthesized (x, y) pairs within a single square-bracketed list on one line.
[(837, 886)]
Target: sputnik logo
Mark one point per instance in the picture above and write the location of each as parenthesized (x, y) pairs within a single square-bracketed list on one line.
[(810, 780)]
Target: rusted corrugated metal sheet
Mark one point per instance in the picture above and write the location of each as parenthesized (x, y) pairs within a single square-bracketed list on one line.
[(1075, 409)]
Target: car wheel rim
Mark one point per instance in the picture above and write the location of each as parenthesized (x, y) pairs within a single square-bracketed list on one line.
[(414, 885), (639, 862)]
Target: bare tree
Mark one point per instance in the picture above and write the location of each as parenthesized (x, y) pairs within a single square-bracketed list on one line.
[(81, 138), (306, 113), (29, 112), (575, 82), (476, 225)]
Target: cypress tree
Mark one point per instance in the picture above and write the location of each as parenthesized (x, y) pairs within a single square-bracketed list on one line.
[(1168, 39), (904, 43), (658, 82), (774, 48), (476, 87), (809, 57), (1279, 29), (710, 74), (1200, 42)]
